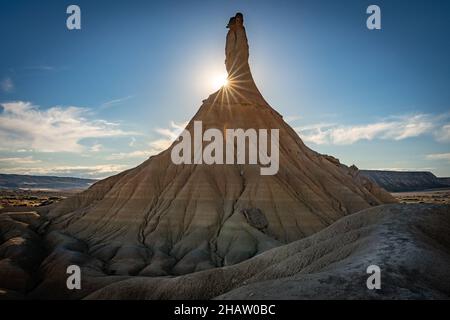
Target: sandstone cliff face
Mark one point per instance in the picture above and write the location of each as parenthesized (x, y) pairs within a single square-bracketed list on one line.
[(161, 219)]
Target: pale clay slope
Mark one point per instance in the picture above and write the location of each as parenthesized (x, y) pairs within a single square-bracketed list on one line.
[(164, 219), (132, 233), (410, 243)]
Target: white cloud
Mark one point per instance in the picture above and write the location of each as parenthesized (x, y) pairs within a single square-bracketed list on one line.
[(58, 129), (128, 155), (393, 128), (438, 156), (160, 144), (443, 134), (7, 85), (317, 133), (94, 171), (173, 131), (156, 146), (292, 118), (16, 160), (115, 102), (169, 136), (96, 147)]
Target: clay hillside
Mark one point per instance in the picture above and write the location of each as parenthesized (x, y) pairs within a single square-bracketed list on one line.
[(165, 219)]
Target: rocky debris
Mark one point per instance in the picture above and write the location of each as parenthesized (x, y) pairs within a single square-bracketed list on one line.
[(333, 160), (256, 218)]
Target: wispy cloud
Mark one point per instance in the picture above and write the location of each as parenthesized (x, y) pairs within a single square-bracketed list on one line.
[(96, 147), (94, 171), (18, 160), (114, 102), (7, 84), (41, 68), (58, 129), (44, 68), (392, 128), (292, 118), (443, 134), (168, 136), (129, 155), (438, 156)]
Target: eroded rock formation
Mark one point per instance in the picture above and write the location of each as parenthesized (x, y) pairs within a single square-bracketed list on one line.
[(166, 231), (408, 242), (165, 219)]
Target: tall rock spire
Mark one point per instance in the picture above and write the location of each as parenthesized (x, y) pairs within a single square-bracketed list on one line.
[(163, 219), (241, 87)]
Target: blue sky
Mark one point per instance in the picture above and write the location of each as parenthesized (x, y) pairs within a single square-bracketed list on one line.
[(96, 101)]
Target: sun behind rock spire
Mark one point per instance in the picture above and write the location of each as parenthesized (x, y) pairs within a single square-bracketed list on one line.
[(165, 219), (240, 87)]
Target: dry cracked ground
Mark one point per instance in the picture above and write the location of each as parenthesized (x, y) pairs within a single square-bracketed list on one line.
[(409, 242)]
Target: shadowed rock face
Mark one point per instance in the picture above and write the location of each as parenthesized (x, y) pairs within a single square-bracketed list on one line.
[(21, 252), (410, 244), (165, 219)]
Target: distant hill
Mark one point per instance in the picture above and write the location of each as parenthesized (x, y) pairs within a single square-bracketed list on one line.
[(398, 181), (393, 181), (444, 181), (17, 181)]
